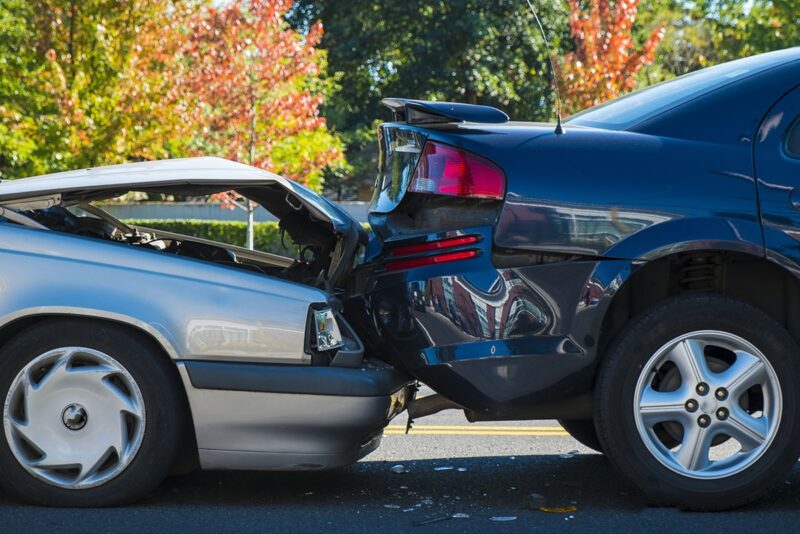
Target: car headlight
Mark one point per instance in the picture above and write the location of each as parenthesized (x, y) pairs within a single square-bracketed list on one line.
[(326, 330)]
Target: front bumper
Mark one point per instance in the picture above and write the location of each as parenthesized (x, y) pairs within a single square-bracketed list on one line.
[(279, 417)]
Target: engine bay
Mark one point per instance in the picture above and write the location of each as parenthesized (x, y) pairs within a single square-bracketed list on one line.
[(311, 245)]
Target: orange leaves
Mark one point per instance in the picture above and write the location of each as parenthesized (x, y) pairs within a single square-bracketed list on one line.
[(234, 81), (606, 61)]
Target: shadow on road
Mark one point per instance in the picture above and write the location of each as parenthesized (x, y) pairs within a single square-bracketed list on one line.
[(483, 482), (369, 496)]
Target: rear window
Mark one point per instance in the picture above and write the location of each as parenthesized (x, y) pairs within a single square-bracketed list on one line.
[(638, 106)]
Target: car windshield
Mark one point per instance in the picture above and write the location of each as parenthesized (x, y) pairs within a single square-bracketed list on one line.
[(631, 109)]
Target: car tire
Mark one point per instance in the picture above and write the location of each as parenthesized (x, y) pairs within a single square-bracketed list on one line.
[(667, 448), (117, 435), (583, 431)]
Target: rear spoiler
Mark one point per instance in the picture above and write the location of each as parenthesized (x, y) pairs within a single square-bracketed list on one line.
[(425, 112)]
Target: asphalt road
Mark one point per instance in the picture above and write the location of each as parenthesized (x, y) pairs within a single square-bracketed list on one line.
[(464, 477)]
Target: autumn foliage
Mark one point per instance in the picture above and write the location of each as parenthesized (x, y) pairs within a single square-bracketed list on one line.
[(606, 60), (237, 82)]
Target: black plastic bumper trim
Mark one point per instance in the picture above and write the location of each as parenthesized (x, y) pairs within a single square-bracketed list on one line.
[(367, 381)]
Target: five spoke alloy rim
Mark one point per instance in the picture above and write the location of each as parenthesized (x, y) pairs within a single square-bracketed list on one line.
[(74, 417), (707, 404)]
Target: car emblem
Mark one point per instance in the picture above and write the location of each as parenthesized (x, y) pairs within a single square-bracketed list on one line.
[(74, 417)]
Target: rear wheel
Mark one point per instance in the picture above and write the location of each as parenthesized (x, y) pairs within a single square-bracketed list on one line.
[(697, 403), (90, 414), (583, 431)]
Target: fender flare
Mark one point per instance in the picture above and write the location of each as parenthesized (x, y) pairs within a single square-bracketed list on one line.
[(688, 234), (622, 260)]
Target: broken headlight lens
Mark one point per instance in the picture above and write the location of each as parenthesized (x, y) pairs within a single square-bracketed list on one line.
[(327, 330)]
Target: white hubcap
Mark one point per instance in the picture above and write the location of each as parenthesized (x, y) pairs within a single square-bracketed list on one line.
[(708, 404), (74, 417)]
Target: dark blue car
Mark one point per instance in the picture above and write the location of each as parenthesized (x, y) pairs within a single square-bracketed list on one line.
[(635, 277)]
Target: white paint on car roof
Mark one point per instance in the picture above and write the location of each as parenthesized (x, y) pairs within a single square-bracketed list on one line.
[(146, 174)]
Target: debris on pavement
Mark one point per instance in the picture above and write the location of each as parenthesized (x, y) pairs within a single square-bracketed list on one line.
[(459, 516), (558, 509), (443, 468), (534, 501), (503, 518), (392, 506), (570, 454), (462, 469), (428, 521), (399, 469)]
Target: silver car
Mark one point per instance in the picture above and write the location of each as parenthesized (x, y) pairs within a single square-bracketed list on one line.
[(127, 352)]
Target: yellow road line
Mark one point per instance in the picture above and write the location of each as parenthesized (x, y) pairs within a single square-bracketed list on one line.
[(479, 427), (462, 433), (463, 430)]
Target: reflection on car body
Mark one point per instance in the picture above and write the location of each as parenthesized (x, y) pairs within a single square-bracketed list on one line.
[(509, 307)]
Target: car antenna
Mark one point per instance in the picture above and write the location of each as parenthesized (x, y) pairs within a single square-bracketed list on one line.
[(559, 127)]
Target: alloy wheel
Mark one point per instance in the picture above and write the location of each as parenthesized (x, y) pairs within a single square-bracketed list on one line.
[(707, 404)]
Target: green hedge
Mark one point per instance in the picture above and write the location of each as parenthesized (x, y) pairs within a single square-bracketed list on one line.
[(267, 236)]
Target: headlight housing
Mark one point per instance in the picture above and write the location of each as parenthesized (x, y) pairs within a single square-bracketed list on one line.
[(326, 330)]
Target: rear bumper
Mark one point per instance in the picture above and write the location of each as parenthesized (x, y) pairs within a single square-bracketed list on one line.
[(507, 377), (502, 341), (270, 417)]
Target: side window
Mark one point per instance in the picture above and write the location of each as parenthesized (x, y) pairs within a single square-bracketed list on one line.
[(793, 140)]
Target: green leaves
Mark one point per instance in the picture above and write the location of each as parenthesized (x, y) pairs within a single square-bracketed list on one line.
[(480, 51), (61, 62), (92, 82), (267, 235)]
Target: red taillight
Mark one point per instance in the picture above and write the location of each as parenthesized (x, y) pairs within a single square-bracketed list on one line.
[(431, 260), (431, 246), (447, 170), (405, 250)]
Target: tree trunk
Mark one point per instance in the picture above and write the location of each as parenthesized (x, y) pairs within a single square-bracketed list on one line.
[(251, 208), (73, 8)]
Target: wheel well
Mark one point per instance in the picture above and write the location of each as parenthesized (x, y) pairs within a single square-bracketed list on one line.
[(751, 279), (184, 462)]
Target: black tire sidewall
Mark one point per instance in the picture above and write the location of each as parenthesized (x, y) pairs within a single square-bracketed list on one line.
[(157, 383), (616, 390), (583, 431)]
